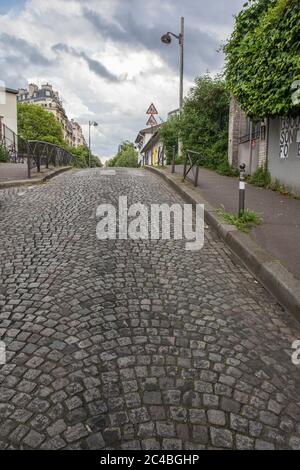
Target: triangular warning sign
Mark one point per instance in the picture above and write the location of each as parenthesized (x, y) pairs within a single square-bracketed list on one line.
[(152, 109), (151, 121)]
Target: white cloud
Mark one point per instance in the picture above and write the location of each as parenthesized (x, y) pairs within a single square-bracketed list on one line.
[(103, 39)]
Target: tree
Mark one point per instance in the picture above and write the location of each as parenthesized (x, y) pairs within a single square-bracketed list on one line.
[(203, 123), (126, 157), (81, 154), (263, 57), (35, 123), (4, 155), (169, 132)]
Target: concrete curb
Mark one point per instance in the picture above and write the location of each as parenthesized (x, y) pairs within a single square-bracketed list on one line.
[(34, 181), (268, 270)]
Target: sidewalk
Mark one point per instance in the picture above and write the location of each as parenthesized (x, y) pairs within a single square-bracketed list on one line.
[(279, 231), (18, 171), (15, 174)]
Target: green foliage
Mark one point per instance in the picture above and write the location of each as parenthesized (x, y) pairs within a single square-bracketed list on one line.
[(169, 132), (4, 157), (263, 57), (126, 157), (225, 169), (261, 177), (35, 123), (244, 223), (203, 124), (81, 155), (276, 185)]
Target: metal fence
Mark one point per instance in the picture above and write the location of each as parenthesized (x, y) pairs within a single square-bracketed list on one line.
[(192, 161), (13, 145), (36, 154), (45, 154)]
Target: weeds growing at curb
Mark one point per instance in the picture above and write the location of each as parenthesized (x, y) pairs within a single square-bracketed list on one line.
[(262, 178), (244, 223)]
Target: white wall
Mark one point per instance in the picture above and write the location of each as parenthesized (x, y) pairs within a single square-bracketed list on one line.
[(284, 152), (146, 137), (8, 110)]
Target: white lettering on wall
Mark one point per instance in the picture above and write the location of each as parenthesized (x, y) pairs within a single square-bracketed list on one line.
[(289, 133)]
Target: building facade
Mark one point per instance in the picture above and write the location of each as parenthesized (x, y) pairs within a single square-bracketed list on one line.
[(50, 100), (77, 134), (8, 108), (142, 139), (270, 143), (284, 151), (248, 141)]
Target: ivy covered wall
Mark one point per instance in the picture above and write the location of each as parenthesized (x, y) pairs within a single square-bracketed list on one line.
[(263, 57)]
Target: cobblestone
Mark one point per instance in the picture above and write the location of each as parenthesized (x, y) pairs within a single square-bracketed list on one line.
[(124, 344)]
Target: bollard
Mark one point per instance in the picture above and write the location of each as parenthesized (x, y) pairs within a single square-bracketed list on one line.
[(173, 160), (196, 176), (28, 160), (242, 186)]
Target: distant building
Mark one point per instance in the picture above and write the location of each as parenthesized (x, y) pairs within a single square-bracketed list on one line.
[(49, 99), (143, 137), (175, 112), (8, 108), (77, 134), (153, 150)]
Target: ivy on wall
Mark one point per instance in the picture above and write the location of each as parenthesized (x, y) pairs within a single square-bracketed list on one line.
[(263, 57)]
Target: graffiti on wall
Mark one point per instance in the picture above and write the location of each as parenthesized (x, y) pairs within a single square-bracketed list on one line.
[(289, 134)]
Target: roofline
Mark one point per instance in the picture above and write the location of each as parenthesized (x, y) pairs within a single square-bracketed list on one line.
[(150, 129), (11, 90), (148, 144)]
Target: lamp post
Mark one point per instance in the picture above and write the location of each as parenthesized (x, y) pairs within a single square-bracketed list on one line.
[(94, 124), (167, 39)]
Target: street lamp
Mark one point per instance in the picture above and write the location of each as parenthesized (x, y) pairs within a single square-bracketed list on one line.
[(94, 124), (167, 39)]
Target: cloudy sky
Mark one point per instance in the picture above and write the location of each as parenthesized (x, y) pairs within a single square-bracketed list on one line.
[(105, 56)]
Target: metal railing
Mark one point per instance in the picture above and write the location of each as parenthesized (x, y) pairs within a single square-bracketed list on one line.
[(13, 145), (41, 153), (191, 163), (33, 152), (247, 137)]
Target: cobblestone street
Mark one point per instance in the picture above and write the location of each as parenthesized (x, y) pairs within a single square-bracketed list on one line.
[(124, 344)]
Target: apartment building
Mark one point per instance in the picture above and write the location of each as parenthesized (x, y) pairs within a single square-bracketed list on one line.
[(50, 100)]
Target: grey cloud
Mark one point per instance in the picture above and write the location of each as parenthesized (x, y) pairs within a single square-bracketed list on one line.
[(24, 50), (136, 26), (140, 26), (94, 65), (19, 56)]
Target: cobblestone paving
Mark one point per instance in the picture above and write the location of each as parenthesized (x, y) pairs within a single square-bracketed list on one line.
[(134, 344)]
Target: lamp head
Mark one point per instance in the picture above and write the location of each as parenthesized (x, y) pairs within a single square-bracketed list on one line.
[(166, 38)]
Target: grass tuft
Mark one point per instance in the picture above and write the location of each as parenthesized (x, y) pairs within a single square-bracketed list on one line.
[(244, 223)]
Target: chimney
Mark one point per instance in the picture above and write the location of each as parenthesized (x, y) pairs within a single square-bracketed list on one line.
[(47, 86), (32, 89)]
